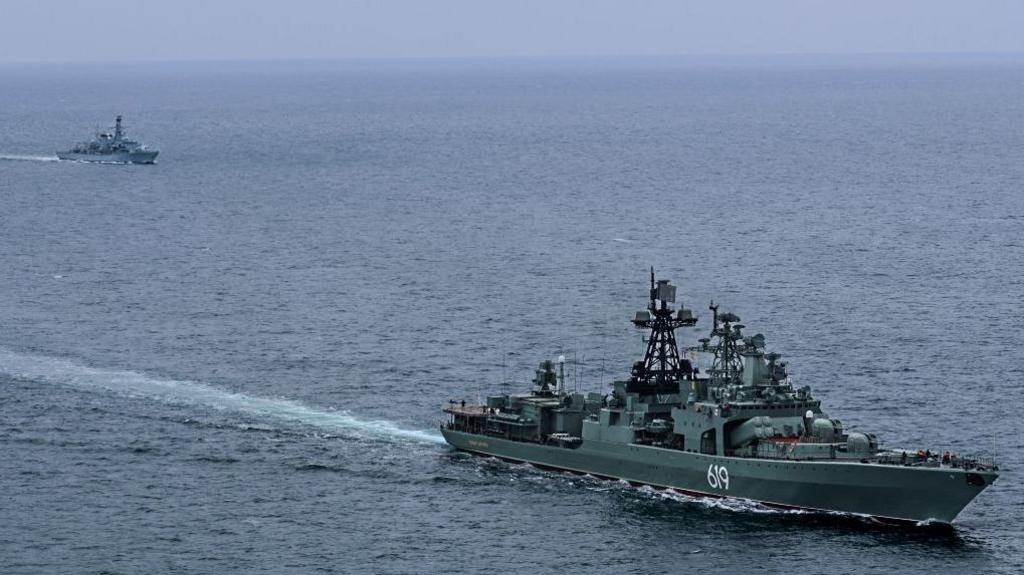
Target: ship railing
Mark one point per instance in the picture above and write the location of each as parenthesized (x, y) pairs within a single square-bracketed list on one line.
[(936, 460)]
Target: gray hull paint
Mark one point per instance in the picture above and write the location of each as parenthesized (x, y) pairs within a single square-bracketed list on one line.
[(895, 492), (147, 157)]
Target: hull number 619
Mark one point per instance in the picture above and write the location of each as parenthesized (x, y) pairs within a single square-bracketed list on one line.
[(718, 476)]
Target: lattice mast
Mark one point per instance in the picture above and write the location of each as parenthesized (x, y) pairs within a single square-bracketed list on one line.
[(661, 368), (728, 364)]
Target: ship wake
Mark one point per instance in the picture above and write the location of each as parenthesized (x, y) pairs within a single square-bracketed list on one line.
[(590, 482), (24, 158), (58, 371), (724, 503)]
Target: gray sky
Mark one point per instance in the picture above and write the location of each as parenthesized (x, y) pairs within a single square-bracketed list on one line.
[(70, 30)]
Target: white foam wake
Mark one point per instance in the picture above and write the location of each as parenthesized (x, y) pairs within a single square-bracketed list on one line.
[(29, 158), (65, 372)]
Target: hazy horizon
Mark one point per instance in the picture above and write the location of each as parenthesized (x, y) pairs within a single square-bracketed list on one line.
[(66, 31)]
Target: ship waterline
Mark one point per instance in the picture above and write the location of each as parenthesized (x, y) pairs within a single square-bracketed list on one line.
[(139, 157)]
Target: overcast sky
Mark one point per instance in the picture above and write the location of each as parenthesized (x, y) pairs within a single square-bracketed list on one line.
[(70, 30)]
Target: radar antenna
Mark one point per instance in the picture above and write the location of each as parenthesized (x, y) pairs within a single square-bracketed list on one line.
[(661, 368)]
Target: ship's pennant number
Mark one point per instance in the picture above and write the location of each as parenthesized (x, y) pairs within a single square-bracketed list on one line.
[(718, 476)]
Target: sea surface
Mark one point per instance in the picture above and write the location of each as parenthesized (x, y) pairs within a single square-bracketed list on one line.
[(233, 361)]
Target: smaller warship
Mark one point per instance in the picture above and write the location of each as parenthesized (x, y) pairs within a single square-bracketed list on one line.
[(740, 429), (111, 147)]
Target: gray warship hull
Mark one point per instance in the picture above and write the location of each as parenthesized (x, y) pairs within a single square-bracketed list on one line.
[(885, 492), (135, 157), (740, 430)]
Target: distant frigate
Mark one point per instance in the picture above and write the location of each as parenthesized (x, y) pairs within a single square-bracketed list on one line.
[(111, 147), (740, 430)]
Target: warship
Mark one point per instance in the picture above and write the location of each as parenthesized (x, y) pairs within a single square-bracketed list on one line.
[(111, 147), (738, 429)]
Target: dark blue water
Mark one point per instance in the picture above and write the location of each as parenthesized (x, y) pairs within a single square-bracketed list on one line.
[(232, 361)]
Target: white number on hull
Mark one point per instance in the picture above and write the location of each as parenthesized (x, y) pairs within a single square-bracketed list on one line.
[(718, 476)]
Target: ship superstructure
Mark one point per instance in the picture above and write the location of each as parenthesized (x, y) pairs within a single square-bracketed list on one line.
[(740, 429), (111, 147)]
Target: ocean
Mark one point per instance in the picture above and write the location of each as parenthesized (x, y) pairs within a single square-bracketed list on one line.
[(233, 361)]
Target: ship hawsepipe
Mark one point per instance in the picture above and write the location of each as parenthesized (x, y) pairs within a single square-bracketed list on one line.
[(738, 430)]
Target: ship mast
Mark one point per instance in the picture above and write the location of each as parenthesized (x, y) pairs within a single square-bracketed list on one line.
[(729, 346), (661, 368), (728, 364)]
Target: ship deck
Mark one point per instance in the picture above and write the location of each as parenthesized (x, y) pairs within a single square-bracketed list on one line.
[(465, 410)]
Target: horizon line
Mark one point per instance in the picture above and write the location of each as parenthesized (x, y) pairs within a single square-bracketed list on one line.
[(525, 57)]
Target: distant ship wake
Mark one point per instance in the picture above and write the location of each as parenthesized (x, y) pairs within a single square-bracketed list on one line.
[(25, 158), (65, 372)]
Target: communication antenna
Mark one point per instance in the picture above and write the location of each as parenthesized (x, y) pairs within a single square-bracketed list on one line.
[(504, 372), (576, 362), (575, 372), (561, 373)]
